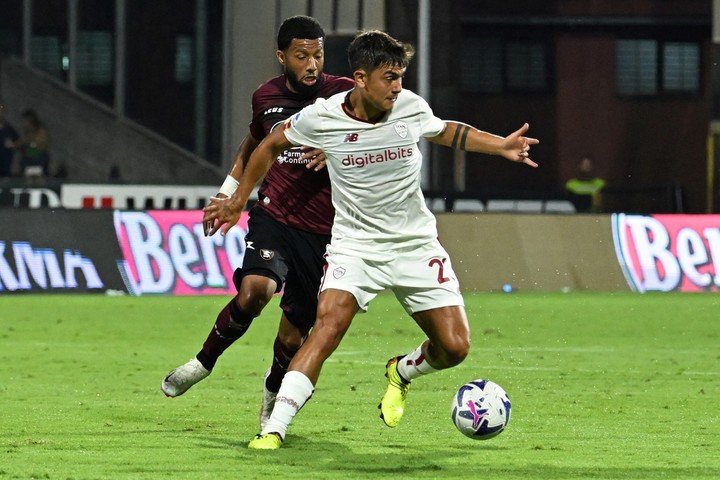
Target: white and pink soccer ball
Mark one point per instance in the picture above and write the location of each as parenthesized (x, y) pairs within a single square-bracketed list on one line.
[(480, 409)]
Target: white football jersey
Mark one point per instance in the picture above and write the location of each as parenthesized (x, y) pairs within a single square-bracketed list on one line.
[(374, 171)]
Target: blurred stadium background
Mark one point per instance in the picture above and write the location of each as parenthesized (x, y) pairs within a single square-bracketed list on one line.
[(146, 102), (161, 89)]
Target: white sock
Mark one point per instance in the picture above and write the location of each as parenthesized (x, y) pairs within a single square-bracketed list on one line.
[(414, 364), (295, 390)]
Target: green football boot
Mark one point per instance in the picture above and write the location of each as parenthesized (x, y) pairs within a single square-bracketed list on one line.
[(392, 405), (269, 441)]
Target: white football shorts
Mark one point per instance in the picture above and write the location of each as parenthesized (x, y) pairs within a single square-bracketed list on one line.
[(421, 278)]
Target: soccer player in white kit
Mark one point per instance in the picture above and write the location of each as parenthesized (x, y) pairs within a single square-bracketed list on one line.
[(383, 234)]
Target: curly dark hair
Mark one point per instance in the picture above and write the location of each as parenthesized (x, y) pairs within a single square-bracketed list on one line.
[(299, 26)]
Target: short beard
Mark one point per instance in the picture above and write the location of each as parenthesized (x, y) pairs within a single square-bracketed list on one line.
[(298, 86)]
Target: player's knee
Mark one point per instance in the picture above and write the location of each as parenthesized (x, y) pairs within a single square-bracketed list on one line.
[(252, 298), (291, 340), (456, 350), (334, 315)]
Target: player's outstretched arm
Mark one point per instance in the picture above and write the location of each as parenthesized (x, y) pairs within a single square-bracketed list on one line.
[(225, 212), (247, 146), (515, 147)]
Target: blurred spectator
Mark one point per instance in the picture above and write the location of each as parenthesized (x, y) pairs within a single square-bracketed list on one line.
[(61, 172), (34, 146), (115, 176), (8, 137), (586, 188)]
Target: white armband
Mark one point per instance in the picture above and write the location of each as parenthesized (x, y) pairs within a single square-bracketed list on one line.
[(229, 186)]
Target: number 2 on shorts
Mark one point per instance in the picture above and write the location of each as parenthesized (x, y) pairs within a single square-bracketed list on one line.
[(441, 267)]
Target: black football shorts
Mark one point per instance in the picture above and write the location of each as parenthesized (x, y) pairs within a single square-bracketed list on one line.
[(291, 257)]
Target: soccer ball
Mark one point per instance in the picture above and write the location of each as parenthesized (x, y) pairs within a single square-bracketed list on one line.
[(480, 409)]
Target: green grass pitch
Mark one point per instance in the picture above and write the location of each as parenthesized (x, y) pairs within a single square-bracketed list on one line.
[(604, 386)]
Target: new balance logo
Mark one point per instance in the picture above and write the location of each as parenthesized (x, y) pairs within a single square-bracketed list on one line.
[(351, 137)]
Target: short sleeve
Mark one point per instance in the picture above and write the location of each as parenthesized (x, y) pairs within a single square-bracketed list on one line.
[(430, 125), (256, 128), (303, 128)]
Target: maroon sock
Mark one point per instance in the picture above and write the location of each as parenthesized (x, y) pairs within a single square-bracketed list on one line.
[(281, 360), (232, 322)]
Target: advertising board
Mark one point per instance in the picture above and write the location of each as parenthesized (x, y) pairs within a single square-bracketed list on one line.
[(58, 251), (167, 252), (668, 252)]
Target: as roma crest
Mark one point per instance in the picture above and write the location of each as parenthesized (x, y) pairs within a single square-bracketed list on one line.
[(401, 129)]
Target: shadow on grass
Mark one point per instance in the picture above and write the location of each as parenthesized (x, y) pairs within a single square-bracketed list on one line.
[(344, 459), (323, 458)]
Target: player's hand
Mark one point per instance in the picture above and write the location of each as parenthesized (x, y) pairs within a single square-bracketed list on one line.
[(516, 146), (221, 214), (207, 222), (317, 159)]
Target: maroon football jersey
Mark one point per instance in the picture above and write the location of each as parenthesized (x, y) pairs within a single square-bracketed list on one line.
[(290, 193)]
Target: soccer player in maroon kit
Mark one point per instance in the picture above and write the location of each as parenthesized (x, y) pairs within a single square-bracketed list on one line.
[(290, 225)]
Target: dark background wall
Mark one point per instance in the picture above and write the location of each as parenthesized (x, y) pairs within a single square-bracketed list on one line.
[(151, 36), (638, 142)]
